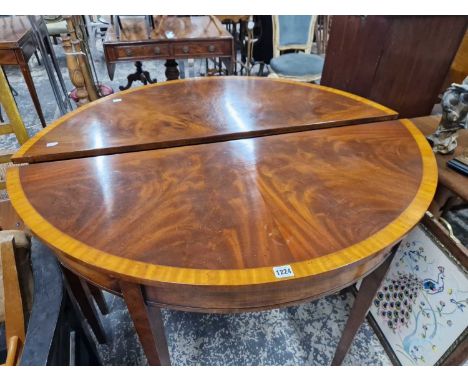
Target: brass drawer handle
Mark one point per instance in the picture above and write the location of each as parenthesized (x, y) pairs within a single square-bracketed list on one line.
[(185, 49), (157, 50), (128, 52), (211, 48)]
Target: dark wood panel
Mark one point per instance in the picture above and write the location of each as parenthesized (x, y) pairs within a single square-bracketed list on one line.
[(353, 53), (398, 61), (13, 30)]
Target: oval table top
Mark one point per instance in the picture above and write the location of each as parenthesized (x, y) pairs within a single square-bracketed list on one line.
[(202, 110), (226, 213)]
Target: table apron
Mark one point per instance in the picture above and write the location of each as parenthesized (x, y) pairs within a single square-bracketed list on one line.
[(8, 57), (232, 299)]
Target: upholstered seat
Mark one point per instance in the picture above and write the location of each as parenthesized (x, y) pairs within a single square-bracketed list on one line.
[(298, 65), (295, 33)]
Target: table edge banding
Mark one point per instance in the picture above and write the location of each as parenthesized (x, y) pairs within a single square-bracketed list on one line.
[(151, 273)]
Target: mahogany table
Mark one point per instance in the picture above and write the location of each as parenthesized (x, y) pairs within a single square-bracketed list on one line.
[(173, 37), (225, 195)]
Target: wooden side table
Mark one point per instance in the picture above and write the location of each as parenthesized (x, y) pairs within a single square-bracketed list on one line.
[(17, 45), (172, 38)]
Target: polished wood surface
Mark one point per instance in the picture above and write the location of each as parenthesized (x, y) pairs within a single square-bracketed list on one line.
[(13, 29), (17, 45), (173, 37), (399, 61), (226, 213), (182, 27), (449, 178), (195, 111)]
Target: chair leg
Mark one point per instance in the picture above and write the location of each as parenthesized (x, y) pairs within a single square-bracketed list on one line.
[(260, 69), (362, 303), (148, 324), (78, 289), (83, 337), (37, 58), (99, 298)]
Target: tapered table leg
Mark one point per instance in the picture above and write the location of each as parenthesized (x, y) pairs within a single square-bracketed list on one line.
[(99, 298), (32, 90), (148, 324), (80, 292), (172, 72), (362, 303)]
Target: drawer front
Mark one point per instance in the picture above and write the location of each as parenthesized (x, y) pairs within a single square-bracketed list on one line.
[(7, 57), (202, 49), (142, 51)]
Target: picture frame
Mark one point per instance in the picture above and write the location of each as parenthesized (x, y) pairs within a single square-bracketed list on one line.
[(431, 328)]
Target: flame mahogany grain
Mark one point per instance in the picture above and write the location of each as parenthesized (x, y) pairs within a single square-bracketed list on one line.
[(179, 113), (210, 221)]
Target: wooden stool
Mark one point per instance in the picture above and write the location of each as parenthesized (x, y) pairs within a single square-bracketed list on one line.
[(15, 125)]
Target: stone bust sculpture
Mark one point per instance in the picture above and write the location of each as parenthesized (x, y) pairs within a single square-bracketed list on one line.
[(454, 117)]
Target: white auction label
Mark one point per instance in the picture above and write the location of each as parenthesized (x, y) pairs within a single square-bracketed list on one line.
[(51, 144), (283, 271), (117, 100)]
